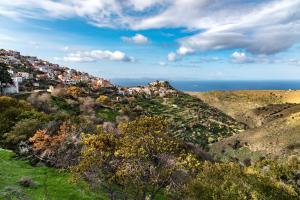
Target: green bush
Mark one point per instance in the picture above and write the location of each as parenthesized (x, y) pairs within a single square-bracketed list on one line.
[(23, 130), (10, 110)]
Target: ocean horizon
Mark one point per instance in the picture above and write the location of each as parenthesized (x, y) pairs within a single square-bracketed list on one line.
[(213, 85)]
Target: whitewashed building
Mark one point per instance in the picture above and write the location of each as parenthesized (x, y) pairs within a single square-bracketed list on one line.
[(13, 88)]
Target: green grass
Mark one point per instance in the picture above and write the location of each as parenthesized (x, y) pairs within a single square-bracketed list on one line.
[(50, 183), (107, 114)]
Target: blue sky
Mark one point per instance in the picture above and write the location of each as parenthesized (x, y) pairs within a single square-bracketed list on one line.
[(161, 39)]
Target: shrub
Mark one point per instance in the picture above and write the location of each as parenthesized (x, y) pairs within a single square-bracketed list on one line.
[(59, 92), (61, 149), (74, 91), (26, 182), (231, 181), (23, 130), (10, 110), (41, 102), (102, 99)]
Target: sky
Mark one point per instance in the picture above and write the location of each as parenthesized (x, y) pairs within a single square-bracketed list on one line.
[(159, 39)]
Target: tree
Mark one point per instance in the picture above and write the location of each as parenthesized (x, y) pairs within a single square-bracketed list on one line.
[(10, 111), (137, 161), (4, 77)]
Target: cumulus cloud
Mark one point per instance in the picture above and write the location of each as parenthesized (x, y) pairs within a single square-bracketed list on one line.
[(96, 55), (260, 27), (137, 39), (271, 28), (172, 57), (184, 51), (239, 57)]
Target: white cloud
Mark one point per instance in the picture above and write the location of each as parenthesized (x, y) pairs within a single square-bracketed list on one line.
[(141, 5), (184, 51), (137, 39), (210, 59), (66, 48), (162, 63), (260, 27), (239, 57), (172, 57), (268, 29), (96, 55), (294, 62)]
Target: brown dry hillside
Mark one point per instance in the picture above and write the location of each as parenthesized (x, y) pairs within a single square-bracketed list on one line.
[(273, 118), (250, 107), (280, 137)]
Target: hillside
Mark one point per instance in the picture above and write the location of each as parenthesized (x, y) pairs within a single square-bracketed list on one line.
[(272, 115), (251, 107), (143, 142), (191, 119)]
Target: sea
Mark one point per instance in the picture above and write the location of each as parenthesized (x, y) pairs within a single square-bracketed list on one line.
[(213, 85)]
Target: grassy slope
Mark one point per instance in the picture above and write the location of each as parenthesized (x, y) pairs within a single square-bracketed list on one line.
[(273, 115), (192, 119), (51, 183)]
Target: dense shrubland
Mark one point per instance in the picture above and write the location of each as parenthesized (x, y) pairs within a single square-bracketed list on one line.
[(128, 149)]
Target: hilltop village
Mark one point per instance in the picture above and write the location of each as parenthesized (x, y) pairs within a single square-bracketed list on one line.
[(32, 74)]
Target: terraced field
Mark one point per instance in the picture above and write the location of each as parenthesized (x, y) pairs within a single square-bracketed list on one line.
[(191, 118)]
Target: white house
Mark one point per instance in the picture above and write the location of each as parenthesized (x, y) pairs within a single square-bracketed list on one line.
[(13, 88), (11, 72)]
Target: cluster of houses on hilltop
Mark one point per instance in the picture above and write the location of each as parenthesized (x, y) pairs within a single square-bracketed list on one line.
[(35, 70), (156, 88), (38, 72)]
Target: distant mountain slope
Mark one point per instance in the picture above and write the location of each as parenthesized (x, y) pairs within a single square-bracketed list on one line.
[(280, 137), (244, 105), (273, 115)]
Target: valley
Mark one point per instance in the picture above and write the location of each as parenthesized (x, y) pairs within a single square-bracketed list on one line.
[(272, 117)]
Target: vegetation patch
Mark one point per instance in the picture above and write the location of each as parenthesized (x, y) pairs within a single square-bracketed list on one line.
[(49, 183)]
